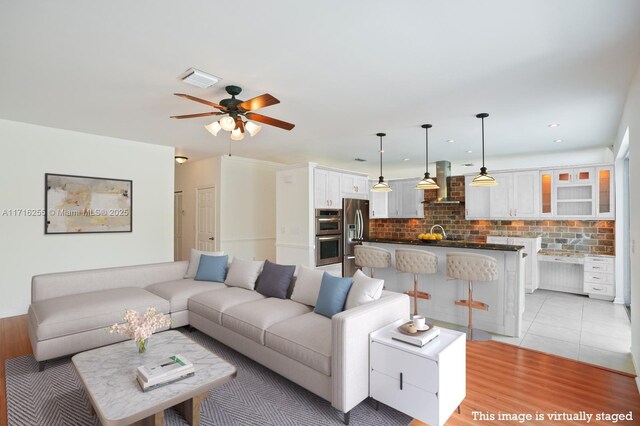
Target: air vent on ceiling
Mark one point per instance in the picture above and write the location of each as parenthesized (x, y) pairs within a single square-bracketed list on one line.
[(362, 160), (468, 165), (199, 78)]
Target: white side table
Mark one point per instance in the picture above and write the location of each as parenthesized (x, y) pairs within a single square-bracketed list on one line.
[(427, 383)]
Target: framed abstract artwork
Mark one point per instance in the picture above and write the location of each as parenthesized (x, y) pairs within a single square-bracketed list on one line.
[(83, 204)]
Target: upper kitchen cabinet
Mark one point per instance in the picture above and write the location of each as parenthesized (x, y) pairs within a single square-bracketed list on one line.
[(574, 193), (516, 196), (354, 186), (546, 194), (604, 193), (378, 207), (404, 201), (476, 200), (575, 176), (326, 189)]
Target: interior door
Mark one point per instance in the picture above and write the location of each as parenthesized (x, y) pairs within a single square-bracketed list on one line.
[(177, 226), (206, 219)]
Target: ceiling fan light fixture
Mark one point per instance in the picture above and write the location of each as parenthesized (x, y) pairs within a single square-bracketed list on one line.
[(237, 134), (252, 128), (484, 178), (213, 128), (228, 123)]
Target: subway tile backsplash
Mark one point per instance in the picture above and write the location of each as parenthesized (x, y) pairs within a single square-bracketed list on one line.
[(581, 236)]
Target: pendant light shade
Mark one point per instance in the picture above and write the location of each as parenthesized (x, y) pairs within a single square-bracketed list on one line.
[(381, 186), (427, 181), (484, 178)]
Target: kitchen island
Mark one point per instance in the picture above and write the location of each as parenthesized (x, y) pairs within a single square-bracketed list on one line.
[(505, 296)]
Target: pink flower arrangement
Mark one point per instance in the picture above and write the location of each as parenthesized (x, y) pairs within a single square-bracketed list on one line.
[(140, 327)]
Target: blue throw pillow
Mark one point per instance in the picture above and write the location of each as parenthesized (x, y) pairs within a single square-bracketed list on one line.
[(212, 268), (333, 295)]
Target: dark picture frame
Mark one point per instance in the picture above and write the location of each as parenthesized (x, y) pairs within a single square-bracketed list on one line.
[(87, 205)]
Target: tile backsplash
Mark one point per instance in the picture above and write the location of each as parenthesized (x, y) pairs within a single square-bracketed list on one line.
[(581, 236)]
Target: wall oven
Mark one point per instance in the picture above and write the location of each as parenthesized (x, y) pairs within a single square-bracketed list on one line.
[(328, 236), (328, 249)]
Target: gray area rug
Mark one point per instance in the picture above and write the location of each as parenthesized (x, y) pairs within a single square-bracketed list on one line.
[(257, 396)]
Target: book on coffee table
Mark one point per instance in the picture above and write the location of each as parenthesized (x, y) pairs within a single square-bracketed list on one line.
[(147, 387), (419, 340), (168, 370)]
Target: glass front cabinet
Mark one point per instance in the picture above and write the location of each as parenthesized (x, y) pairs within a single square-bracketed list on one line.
[(605, 207)]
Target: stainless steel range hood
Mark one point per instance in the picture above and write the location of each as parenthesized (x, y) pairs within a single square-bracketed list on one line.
[(443, 172)]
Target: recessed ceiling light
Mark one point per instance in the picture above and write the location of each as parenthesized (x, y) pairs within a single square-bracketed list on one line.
[(553, 125), (406, 159), (362, 160), (558, 140), (451, 141), (469, 152)]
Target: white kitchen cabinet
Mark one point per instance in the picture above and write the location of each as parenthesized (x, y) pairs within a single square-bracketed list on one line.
[(501, 196), (411, 205), (378, 204), (476, 200), (599, 276), (353, 186), (574, 176), (531, 247), (427, 383), (516, 196), (546, 194), (605, 203), (326, 189)]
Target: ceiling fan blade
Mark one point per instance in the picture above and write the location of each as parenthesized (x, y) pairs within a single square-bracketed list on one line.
[(258, 102), (202, 101), (270, 121), (202, 114), (239, 124)]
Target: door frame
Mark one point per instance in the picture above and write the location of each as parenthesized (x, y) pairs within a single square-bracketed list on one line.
[(177, 251)]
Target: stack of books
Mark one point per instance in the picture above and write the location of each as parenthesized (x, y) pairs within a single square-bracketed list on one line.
[(419, 339), (168, 370)]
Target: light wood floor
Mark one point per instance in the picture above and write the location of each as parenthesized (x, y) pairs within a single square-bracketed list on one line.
[(500, 378)]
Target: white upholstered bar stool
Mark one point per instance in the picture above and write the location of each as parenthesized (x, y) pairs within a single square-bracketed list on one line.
[(472, 267), (372, 257), (416, 262)]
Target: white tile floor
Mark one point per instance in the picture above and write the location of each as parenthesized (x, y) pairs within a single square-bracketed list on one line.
[(576, 327)]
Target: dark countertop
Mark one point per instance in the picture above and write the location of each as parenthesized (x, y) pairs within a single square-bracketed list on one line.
[(449, 243)]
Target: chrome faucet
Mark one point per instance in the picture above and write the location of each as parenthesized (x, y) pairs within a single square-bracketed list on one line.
[(444, 234)]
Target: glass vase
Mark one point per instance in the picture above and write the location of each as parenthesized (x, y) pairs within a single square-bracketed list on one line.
[(142, 345)]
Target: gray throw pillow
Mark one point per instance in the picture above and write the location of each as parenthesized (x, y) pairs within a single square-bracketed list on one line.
[(274, 280)]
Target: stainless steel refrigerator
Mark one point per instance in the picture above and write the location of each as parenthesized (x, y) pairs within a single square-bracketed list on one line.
[(355, 226)]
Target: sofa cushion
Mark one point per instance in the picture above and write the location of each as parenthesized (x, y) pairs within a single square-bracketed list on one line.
[(333, 295), (212, 304), (253, 318), (307, 286), (178, 292), (212, 268), (306, 338), (194, 262), (243, 273), (65, 315), (363, 290), (274, 280)]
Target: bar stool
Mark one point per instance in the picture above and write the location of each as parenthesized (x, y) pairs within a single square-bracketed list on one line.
[(416, 262), (372, 257), (472, 267)]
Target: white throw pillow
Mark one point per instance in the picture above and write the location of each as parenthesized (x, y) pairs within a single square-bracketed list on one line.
[(307, 286), (363, 290), (243, 273), (194, 261)]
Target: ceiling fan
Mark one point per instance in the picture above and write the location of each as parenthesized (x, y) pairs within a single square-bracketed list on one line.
[(234, 111)]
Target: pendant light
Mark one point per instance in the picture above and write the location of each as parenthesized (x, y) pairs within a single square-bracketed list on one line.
[(427, 182), (381, 186), (483, 179)]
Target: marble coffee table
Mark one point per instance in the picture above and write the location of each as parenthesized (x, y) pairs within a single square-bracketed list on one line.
[(108, 375)]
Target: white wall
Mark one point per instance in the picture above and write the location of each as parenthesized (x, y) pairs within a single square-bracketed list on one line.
[(191, 176), (29, 152), (248, 208), (631, 120), (245, 204)]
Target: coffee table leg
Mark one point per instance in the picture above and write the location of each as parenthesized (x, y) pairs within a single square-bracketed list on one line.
[(190, 409), (153, 420)]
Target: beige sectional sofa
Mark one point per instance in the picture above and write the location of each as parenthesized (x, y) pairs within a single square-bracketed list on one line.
[(328, 356)]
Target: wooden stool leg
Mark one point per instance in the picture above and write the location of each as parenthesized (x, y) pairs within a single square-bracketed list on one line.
[(415, 294)]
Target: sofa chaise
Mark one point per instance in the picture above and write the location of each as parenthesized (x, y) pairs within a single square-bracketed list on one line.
[(70, 311)]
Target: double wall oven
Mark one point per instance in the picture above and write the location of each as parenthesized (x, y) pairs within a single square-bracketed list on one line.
[(329, 236)]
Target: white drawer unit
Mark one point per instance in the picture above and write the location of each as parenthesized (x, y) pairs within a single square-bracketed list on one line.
[(427, 383), (599, 277)]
